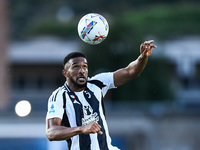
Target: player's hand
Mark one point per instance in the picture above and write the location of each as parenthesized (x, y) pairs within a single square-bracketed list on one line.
[(146, 48), (92, 128)]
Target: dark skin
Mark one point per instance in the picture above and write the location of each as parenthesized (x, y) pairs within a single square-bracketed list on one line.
[(77, 70)]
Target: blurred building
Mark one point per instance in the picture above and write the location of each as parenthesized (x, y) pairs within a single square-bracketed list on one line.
[(36, 69), (184, 58), (4, 41)]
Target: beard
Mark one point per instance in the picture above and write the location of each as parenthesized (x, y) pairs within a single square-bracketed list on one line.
[(75, 83)]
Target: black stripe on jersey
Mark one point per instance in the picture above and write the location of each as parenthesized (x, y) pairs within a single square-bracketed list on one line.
[(97, 83), (64, 100), (65, 120), (84, 139), (100, 85), (103, 107), (94, 103)]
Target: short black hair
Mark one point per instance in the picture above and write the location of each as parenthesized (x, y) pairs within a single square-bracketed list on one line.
[(73, 55)]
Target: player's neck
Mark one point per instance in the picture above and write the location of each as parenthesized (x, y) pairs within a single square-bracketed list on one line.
[(74, 88)]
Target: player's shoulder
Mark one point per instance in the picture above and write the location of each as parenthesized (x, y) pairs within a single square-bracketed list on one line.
[(102, 76), (58, 90), (100, 80), (98, 83), (57, 94)]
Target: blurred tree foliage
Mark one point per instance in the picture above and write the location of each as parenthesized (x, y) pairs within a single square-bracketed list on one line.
[(131, 22), (166, 19)]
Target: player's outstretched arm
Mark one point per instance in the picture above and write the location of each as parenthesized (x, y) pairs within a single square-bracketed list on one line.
[(135, 68), (56, 132)]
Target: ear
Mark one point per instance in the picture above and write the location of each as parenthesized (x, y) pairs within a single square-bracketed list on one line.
[(64, 72)]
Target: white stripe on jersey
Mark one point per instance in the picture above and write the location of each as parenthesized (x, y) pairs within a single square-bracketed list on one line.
[(72, 120)]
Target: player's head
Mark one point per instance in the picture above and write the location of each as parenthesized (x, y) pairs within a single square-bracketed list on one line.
[(72, 55), (75, 70)]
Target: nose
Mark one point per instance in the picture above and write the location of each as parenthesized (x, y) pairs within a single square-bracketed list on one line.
[(82, 70)]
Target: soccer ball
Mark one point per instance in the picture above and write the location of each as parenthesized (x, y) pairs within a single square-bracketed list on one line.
[(93, 28)]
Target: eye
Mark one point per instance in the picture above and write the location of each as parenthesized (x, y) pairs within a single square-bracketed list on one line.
[(85, 66), (75, 66)]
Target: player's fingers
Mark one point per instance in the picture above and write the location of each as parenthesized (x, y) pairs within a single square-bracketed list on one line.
[(97, 125), (100, 132), (148, 42), (153, 46), (96, 130), (142, 46)]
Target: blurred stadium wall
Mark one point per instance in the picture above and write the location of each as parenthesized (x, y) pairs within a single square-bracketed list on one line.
[(4, 35)]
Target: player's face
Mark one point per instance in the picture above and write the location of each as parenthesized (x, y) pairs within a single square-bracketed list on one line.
[(77, 72)]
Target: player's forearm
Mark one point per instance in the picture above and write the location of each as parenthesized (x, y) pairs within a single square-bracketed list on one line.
[(58, 133), (136, 67), (133, 70)]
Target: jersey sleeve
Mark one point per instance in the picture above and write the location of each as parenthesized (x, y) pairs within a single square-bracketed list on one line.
[(107, 79), (55, 106)]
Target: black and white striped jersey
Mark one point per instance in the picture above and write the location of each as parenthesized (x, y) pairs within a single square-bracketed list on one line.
[(82, 108)]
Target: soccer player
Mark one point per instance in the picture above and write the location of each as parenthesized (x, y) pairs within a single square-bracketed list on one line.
[(76, 111)]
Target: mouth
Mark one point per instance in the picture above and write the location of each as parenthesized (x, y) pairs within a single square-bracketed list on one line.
[(81, 78)]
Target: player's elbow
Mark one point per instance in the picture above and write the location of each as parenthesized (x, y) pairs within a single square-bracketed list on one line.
[(50, 136)]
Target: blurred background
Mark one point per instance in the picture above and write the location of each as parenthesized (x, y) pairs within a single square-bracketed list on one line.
[(159, 110)]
